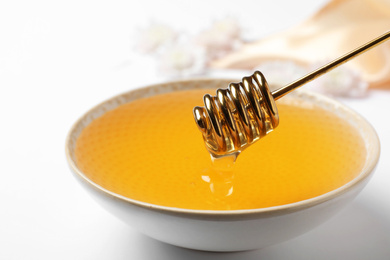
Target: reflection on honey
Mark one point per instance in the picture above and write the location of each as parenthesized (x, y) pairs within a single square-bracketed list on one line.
[(151, 150)]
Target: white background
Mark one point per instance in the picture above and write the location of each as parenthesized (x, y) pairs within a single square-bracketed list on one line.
[(60, 58)]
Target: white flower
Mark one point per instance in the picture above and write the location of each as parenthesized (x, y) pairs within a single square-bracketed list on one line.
[(178, 54), (181, 60), (280, 72), (221, 38), (228, 27), (340, 82), (154, 37)]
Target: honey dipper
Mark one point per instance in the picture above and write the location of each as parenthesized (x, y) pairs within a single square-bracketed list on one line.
[(244, 112)]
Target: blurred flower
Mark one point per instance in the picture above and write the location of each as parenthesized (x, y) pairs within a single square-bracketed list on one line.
[(182, 59), (280, 72), (178, 54), (228, 27), (340, 82), (221, 38), (154, 37)]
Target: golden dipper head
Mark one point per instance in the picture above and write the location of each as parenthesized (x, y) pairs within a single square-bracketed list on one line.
[(237, 116)]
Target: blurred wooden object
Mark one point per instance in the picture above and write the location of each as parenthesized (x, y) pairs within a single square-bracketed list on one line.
[(339, 26)]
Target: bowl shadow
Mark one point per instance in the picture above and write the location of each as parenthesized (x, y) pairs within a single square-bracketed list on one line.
[(360, 231)]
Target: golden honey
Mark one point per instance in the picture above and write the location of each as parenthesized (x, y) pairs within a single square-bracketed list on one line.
[(151, 150)]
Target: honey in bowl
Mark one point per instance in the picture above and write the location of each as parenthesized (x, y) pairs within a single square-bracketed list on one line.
[(150, 150)]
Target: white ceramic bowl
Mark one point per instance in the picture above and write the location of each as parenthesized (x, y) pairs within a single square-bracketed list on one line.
[(232, 230)]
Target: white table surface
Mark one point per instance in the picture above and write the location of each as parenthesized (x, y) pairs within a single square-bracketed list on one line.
[(58, 59)]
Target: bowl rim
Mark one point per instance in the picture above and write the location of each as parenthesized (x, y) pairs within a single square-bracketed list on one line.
[(279, 209)]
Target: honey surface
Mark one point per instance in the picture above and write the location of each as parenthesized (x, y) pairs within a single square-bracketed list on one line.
[(151, 150)]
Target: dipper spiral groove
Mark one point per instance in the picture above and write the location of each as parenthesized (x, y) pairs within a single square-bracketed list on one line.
[(238, 116)]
